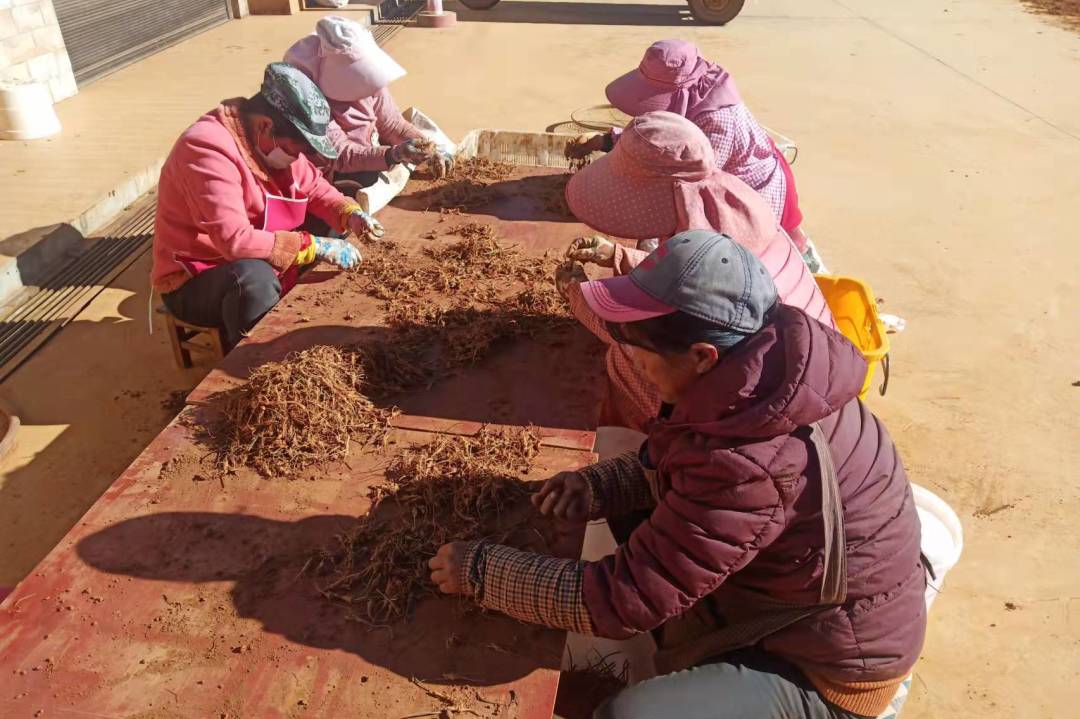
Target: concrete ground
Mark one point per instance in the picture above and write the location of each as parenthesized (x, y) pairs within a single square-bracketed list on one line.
[(939, 146)]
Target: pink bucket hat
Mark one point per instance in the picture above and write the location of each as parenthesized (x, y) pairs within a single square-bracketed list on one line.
[(673, 76), (661, 179)]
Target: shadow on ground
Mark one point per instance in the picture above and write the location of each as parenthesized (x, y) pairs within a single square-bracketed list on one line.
[(92, 398)]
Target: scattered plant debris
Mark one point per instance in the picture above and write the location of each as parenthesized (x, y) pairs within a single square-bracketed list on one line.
[(455, 488), (499, 294), (469, 184)]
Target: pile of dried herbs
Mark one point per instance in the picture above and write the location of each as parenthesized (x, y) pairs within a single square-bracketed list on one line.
[(453, 489)]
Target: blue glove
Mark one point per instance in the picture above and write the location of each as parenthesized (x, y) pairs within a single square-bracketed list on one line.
[(338, 252)]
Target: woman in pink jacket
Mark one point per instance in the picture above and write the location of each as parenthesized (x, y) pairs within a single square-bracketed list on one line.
[(673, 76), (233, 196), (368, 131), (661, 179)]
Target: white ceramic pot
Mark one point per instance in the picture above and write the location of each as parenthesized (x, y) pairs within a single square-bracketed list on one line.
[(26, 111)]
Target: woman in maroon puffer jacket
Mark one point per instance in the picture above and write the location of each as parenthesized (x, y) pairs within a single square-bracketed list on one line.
[(779, 563)]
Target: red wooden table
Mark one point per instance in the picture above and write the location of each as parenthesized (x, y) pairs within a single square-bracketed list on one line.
[(182, 595)]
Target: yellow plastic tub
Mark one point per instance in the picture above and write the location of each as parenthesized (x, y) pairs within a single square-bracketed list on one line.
[(855, 310)]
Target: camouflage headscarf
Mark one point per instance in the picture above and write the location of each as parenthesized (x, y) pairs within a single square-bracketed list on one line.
[(298, 99)]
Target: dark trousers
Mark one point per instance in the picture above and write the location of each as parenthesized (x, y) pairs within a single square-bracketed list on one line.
[(233, 297)]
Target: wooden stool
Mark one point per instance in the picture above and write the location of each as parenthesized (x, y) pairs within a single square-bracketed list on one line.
[(180, 335)]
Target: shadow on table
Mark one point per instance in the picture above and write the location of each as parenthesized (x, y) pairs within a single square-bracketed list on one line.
[(555, 378), (445, 640)]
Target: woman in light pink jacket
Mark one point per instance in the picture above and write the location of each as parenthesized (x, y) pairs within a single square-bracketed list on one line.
[(662, 179), (368, 131), (233, 199)]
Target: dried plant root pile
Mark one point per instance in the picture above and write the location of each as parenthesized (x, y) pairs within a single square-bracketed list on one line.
[(455, 488), (304, 410), (498, 292), (469, 184)]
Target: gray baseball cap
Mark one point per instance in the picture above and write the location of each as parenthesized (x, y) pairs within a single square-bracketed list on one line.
[(700, 272), (299, 100)]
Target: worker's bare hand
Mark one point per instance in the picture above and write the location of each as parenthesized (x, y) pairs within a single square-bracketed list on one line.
[(565, 496), (596, 249), (446, 567), (568, 273), (584, 145)]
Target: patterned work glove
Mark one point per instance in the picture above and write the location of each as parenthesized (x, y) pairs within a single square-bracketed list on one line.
[(442, 163), (568, 273), (337, 252), (595, 249), (364, 225), (413, 152)]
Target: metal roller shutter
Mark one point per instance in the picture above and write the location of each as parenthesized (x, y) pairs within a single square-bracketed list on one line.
[(103, 35)]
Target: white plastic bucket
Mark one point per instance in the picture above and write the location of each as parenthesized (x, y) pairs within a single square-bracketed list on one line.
[(942, 538), (26, 112)]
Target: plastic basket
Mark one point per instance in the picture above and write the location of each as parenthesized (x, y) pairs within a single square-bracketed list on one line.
[(533, 149), (855, 311)]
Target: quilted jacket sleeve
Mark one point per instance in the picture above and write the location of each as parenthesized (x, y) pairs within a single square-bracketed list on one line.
[(705, 527)]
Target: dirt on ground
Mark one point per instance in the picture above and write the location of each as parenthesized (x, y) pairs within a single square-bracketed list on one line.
[(1067, 10)]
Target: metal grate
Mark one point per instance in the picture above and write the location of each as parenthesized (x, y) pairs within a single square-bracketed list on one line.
[(394, 15), (105, 35), (67, 291)]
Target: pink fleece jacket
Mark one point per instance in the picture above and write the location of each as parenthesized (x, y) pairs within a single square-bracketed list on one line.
[(212, 196), (354, 127)]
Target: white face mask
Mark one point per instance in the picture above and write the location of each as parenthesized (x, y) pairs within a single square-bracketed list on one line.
[(277, 158)]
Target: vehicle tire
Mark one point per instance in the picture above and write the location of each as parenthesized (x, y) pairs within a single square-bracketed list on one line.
[(479, 4), (712, 12)]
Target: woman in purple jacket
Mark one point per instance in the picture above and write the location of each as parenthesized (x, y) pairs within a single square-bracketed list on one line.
[(778, 560)]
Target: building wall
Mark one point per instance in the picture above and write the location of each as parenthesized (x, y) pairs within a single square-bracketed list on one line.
[(32, 48)]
